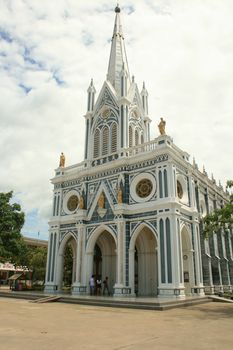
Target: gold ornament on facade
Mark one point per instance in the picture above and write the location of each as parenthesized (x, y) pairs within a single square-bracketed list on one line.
[(106, 113), (81, 203), (72, 203), (62, 160), (101, 201), (179, 190), (161, 126), (119, 196)]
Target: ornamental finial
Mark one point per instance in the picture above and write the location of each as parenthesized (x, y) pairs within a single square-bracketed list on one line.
[(117, 9)]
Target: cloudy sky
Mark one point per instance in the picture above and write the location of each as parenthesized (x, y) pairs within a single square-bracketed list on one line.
[(50, 50)]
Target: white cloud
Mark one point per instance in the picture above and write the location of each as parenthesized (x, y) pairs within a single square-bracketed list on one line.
[(182, 49)]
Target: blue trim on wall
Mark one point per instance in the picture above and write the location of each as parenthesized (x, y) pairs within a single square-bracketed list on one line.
[(162, 255), (54, 205), (54, 251), (165, 183), (122, 126), (58, 204), (50, 255), (168, 241), (160, 185), (87, 133)]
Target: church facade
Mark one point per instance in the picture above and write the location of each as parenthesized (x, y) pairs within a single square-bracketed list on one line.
[(133, 209)]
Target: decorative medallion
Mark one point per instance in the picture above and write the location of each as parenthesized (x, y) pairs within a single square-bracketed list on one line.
[(144, 188), (106, 113), (179, 190), (72, 203)]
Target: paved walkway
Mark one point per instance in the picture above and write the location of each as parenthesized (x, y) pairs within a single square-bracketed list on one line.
[(25, 325)]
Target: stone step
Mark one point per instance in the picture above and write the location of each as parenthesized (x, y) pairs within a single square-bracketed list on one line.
[(151, 304), (46, 299)]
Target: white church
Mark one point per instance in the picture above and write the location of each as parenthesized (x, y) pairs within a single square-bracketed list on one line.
[(133, 209)]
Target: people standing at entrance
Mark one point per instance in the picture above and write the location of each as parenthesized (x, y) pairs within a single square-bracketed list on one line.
[(98, 286), (92, 285), (106, 287)]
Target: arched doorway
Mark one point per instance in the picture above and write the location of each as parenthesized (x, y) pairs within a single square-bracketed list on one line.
[(67, 264), (101, 253), (143, 263), (187, 260)]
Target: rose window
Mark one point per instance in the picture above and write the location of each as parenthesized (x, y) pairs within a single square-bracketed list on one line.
[(72, 203), (144, 188)]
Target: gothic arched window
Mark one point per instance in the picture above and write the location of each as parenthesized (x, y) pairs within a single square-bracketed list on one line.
[(130, 136), (142, 138), (105, 140), (136, 138), (96, 144), (114, 138)]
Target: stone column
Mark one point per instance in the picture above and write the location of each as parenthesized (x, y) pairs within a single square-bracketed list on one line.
[(198, 259), (51, 284), (173, 287), (78, 287), (120, 289)]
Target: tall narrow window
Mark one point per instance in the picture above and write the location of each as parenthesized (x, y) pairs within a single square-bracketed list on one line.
[(136, 138), (97, 144), (105, 141), (142, 138), (130, 136), (114, 138)]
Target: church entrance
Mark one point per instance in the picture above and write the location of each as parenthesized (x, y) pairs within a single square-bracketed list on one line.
[(145, 264), (68, 265), (104, 259), (97, 263), (187, 258)]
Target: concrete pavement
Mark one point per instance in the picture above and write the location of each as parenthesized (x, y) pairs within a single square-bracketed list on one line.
[(26, 325)]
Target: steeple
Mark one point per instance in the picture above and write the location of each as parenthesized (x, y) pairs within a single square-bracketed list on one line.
[(144, 95), (118, 59), (91, 97)]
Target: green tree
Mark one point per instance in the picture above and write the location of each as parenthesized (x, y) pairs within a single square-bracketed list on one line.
[(220, 218), (68, 265), (37, 262), (11, 223)]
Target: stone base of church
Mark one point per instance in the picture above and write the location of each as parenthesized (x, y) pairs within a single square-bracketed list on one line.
[(78, 289), (200, 291), (50, 288), (218, 288), (171, 292), (227, 288), (209, 289), (121, 291)]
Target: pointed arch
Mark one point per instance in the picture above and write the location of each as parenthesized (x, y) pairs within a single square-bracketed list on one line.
[(96, 149), (142, 138), (143, 260), (138, 229), (105, 140), (130, 136), (136, 137), (65, 240), (94, 236), (114, 138), (69, 237)]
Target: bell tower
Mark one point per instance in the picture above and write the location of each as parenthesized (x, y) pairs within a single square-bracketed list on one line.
[(119, 117)]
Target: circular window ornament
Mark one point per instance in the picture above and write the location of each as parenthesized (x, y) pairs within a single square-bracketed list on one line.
[(72, 203), (179, 190), (144, 188), (106, 113)]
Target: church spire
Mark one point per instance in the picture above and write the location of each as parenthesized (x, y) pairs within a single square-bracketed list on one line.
[(118, 58)]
